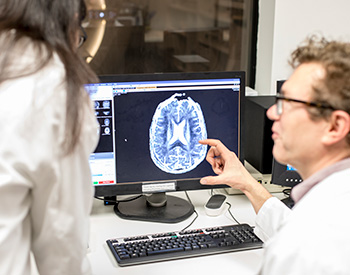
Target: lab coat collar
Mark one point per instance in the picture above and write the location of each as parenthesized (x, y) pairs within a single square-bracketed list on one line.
[(302, 188)]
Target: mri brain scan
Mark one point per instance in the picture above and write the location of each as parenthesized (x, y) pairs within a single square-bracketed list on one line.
[(177, 126)]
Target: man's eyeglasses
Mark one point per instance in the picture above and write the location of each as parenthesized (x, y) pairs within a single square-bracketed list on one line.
[(280, 98), (82, 37)]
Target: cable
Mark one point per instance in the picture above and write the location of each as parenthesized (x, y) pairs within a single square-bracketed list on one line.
[(103, 199), (131, 199), (229, 211), (287, 191), (195, 218), (229, 208), (117, 201)]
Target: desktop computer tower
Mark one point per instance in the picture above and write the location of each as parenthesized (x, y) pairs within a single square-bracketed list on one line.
[(258, 140)]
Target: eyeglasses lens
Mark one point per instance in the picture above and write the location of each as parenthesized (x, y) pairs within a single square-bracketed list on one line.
[(279, 106)]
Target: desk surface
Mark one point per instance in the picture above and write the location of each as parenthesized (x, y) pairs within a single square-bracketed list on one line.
[(105, 224)]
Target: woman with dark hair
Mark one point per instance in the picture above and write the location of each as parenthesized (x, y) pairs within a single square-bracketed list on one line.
[(48, 131)]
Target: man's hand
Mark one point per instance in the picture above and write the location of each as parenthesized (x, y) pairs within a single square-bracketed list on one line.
[(230, 171)]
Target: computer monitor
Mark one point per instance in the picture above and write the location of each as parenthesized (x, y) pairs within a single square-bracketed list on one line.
[(150, 125), (284, 175)]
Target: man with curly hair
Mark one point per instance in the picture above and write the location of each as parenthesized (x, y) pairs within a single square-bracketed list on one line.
[(310, 132)]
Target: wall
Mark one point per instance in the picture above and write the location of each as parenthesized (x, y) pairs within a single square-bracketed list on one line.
[(283, 24)]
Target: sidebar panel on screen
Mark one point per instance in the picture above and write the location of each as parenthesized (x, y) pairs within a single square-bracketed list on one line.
[(102, 161)]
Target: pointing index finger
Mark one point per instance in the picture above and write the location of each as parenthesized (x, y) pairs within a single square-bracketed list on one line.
[(210, 142), (214, 143)]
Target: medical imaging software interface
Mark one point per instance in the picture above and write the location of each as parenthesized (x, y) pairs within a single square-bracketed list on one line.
[(149, 130)]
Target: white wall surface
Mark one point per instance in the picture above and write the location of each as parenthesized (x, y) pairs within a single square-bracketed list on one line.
[(284, 24)]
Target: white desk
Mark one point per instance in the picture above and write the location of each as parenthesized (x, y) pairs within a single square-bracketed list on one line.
[(105, 224)]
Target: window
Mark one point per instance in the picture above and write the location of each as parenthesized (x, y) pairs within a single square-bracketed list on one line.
[(147, 36)]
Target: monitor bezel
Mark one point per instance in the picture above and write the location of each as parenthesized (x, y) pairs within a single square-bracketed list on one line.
[(183, 184)]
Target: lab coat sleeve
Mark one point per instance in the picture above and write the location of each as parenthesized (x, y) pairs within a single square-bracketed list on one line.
[(314, 237), (18, 166), (271, 216)]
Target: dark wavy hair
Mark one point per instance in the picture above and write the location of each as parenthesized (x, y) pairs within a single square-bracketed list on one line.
[(52, 26)]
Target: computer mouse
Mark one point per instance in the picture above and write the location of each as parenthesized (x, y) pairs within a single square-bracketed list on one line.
[(215, 205)]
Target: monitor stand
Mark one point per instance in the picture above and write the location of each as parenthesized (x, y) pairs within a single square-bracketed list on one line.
[(156, 207)]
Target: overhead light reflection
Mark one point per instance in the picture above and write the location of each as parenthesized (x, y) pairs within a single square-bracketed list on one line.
[(95, 27)]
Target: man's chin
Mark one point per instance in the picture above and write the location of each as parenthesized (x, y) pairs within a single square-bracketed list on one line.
[(278, 156)]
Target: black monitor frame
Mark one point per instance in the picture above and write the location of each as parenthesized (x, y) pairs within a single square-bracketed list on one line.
[(120, 189)]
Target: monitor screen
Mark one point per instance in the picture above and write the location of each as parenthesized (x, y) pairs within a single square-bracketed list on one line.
[(150, 126)]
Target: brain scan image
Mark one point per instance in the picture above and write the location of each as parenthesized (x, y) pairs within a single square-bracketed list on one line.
[(177, 126)]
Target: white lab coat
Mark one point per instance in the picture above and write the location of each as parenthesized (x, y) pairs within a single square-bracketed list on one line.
[(45, 198), (314, 237)]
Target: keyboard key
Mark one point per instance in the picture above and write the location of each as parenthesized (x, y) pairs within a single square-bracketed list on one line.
[(167, 250)]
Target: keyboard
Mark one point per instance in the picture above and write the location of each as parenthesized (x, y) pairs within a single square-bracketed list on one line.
[(183, 244)]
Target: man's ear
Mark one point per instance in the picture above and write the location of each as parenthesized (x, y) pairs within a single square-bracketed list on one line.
[(338, 127)]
